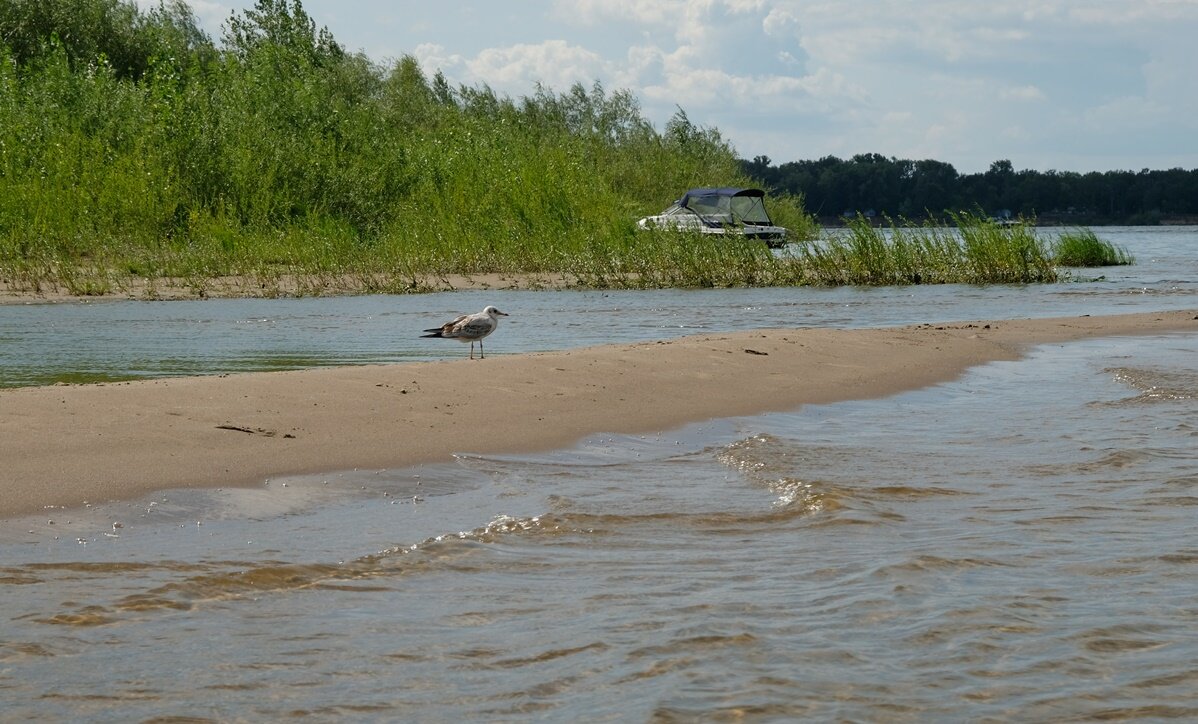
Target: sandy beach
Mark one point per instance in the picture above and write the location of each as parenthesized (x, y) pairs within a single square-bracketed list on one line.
[(64, 445)]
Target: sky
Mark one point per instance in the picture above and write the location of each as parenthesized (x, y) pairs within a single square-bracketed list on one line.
[(1070, 85)]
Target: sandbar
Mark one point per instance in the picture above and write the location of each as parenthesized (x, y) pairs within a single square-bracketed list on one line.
[(62, 445)]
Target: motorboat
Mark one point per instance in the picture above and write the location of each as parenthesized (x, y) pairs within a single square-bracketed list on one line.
[(721, 211)]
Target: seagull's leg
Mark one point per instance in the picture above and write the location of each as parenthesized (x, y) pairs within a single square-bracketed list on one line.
[(471, 350), (480, 349)]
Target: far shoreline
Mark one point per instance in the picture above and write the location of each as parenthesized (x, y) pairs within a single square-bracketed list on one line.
[(63, 445)]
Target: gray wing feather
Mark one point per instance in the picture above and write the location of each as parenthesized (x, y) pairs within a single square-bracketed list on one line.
[(474, 328)]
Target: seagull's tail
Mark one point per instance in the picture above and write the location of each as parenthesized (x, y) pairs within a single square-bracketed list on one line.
[(434, 333)]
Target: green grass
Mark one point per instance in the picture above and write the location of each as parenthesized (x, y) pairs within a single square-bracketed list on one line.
[(974, 251), (1083, 248)]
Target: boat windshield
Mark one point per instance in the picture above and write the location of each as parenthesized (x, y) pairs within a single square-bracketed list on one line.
[(745, 209), (750, 210)]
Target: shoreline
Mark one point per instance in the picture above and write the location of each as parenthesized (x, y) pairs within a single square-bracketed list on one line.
[(64, 445), (283, 287), (110, 285)]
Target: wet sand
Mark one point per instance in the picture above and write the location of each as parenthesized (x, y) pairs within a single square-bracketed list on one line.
[(64, 445)]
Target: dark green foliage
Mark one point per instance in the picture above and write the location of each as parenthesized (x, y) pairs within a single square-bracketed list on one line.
[(107, 32), (927, 188)]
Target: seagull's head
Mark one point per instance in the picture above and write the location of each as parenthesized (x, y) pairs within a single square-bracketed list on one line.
[(492, 312)]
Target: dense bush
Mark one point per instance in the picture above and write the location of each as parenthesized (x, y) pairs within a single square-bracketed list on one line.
[(130, 144), (134, 147)]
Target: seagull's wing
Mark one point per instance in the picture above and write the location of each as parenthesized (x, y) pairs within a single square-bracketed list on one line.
[(476, 326), (447, 329)]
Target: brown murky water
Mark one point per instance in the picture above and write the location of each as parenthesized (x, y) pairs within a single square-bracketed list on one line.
[(1018, 544)]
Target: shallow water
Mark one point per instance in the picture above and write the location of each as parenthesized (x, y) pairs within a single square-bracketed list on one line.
[(1016, 544), (114, 340)]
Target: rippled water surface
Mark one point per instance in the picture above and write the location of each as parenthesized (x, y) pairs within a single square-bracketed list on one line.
[(1014, 545)]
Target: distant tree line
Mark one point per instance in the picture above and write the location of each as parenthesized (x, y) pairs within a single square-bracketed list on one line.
[(874, 185)]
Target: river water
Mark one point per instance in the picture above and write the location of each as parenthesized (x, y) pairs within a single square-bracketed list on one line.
[(1015, 544)]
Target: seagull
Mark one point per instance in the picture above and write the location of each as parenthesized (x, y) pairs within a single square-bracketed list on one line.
[(469, 328)]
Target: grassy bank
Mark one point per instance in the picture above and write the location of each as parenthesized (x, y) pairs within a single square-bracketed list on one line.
[(136, 152), (974, 250), (279, 154)]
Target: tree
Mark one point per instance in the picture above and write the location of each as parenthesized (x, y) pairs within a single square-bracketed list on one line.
[(280, 24), (908, 189), (112, 32)]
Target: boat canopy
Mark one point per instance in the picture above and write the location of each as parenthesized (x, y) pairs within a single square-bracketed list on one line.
[(744, 205)]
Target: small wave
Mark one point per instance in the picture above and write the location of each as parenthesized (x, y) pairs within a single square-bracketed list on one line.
[(196, 584), (767, 461), (1124, 638), (778, 465), (1110, 460), (1156, 385), (216, 582), (540, 657), (926, 563)]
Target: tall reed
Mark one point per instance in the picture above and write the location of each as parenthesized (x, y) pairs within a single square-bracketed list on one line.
[(1083, 248), (974, 251)]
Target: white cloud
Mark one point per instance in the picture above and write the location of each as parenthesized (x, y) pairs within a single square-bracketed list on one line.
[(642, 63), (433, 57), (554, 63), (780, 22)]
